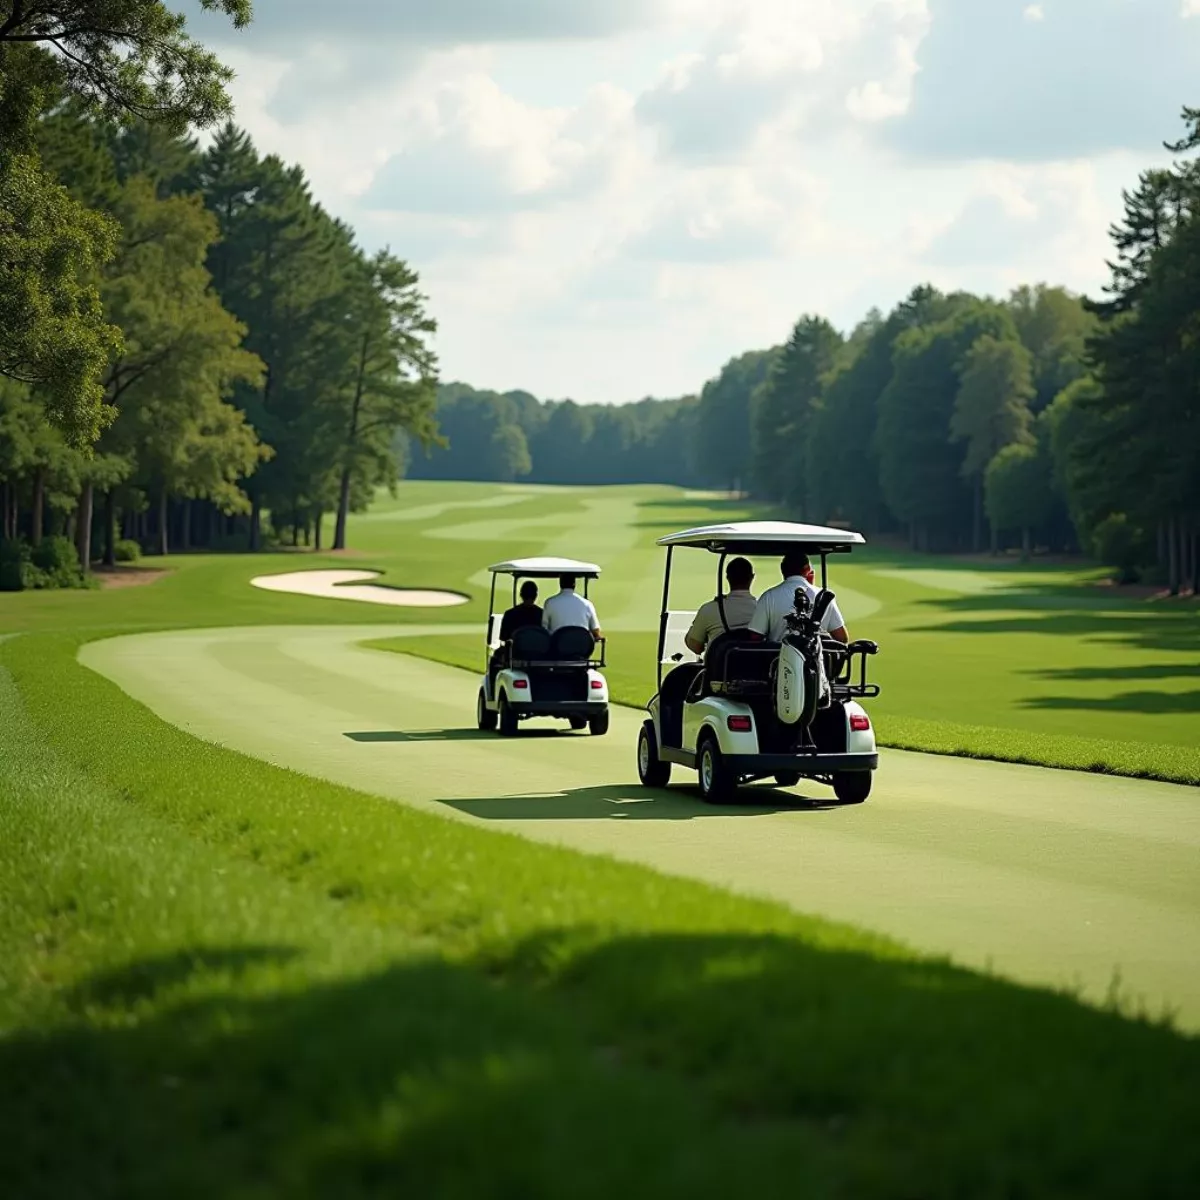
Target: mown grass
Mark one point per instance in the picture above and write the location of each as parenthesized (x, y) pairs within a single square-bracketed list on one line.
[(222, 978)]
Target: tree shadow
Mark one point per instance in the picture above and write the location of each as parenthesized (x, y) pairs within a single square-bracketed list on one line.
[(1152, 671), (593, 1064), (448, 735), (632, 802), (1159, 703)]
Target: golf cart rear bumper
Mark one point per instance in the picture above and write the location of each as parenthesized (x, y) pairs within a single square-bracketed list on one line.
[(560, 708), (808, 765)]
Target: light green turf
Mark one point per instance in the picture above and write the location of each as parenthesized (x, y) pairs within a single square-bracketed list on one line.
[(1048, 876)]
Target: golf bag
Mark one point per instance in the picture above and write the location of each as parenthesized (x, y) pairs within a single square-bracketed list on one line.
[(801, 686)]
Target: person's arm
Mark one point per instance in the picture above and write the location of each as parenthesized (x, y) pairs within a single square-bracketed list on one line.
[(506, 626), (760, 623), (594, 622), (546, 615), (694, 638), (835, 624)]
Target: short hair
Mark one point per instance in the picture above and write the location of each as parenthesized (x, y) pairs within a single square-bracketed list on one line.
[(795, 562), (566, 581), (529, 590), (739, 572)]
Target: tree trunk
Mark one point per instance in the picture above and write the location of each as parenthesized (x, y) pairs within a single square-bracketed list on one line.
[(7, 491), (343, 512), (1173, 555), (83, 528), (163, 523), (1026, 543), (1195, 562), (977, 535), (185, 525), (39, 506), (110, 528), (295, 526), (255, 524), (318, 521)]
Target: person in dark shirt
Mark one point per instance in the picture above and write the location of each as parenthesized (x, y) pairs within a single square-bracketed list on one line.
[(526, 613)]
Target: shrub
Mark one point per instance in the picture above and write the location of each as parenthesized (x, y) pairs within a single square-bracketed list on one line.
[(1117, 542), (126, 550), (53, 563), (14, 562)]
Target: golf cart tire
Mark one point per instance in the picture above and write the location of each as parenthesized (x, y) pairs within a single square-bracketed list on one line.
[(852, 787), (578, 722), (484, 717), (652, 771), (718, 784), (786, 779), (599, 723), (508, 718)]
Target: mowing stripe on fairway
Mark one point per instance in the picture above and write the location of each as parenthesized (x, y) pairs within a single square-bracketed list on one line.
[(1048, 876)]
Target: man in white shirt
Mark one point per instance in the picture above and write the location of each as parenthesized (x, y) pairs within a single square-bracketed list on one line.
[(775, 603), (567, 607), (739, 604)]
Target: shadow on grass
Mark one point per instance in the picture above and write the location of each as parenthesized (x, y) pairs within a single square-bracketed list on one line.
[(668, 1065), (631, 802), (1151, 671), (1133, 702), (447, 735)]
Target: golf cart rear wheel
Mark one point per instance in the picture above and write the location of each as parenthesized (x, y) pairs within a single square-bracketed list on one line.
[(578, 722), (652, 771), (508, 718), (599, 723), (718, 783), (787, 778), (852, 787), (484, 717)]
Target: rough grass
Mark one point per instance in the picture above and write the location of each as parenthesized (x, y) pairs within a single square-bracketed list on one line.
[(222, 978)]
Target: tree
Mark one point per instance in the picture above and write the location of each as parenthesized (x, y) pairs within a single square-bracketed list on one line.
[(783, 408), (128, 57), (394, 379), (1018, 489), (1054, 325), (991, 411), (723, 441)]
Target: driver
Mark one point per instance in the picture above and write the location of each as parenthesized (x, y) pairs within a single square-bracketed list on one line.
[(776, 602), (525, 613), (739, 604), (567, 607)]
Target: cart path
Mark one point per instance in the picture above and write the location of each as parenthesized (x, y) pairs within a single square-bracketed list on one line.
[(1050, 876)]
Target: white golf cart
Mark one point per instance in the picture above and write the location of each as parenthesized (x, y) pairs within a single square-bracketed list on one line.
[(538, 674), (753, 709)]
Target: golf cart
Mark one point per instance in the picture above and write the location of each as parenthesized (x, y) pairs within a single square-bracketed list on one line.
[(753, 709), (538, 674)]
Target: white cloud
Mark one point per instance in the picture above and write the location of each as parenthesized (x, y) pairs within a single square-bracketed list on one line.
[(1035, 12)]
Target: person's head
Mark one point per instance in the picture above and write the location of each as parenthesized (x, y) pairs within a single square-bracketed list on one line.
[(529, 592), (566, 582), (740, 574), (795, 562)]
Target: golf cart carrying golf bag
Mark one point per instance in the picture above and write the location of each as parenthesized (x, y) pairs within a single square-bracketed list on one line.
[(801, 685)]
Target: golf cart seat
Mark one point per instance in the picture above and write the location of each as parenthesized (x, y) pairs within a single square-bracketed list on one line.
[(531, 644), (572, 643), (738, 663)]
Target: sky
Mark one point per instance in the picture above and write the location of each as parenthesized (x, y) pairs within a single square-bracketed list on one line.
[(608, 199)]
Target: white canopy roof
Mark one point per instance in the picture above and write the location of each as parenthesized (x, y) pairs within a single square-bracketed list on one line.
[(545, 567), (764, 537)]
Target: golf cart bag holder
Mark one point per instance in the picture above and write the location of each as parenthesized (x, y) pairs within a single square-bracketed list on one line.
[(839, 663)]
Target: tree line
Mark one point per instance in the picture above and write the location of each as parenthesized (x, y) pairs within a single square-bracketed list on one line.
[(964, 423), (187, 338)]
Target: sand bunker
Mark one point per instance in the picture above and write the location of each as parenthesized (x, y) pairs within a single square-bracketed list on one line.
[(350, 585)]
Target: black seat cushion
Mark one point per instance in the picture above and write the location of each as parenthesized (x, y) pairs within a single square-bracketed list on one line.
[(531, 644), (718, 651), (572, 643)]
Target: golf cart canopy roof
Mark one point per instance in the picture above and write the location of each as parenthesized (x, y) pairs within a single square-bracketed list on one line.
[(765, 537), (545, 568)]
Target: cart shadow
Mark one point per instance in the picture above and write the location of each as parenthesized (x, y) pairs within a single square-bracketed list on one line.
[(447, 735), (635, 803)]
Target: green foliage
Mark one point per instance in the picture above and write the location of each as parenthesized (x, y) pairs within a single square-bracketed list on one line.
[(722, 445), (991, 408), (53, 563), (1120, 544), (1019, 489), (126, 550)]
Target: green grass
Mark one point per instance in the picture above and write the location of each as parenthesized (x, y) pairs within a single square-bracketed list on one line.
[(221, 978)]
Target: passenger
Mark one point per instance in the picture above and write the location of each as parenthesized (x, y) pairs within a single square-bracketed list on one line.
[(523, 614), (739, 604), (775, 603), (567, 607)]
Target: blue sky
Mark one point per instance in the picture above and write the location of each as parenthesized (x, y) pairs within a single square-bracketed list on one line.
[(607, 199)]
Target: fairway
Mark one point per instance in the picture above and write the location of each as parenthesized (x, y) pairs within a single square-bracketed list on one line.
[(1048, 877)]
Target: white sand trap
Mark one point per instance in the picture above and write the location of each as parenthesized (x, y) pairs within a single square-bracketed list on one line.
[(340, 585)]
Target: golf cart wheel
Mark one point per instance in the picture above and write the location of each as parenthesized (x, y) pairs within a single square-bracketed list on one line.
[(852, 787), (718, 783), (652, 771), (578, 722), (484, 717), (508, 718), (599, 723), (787, 778)]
